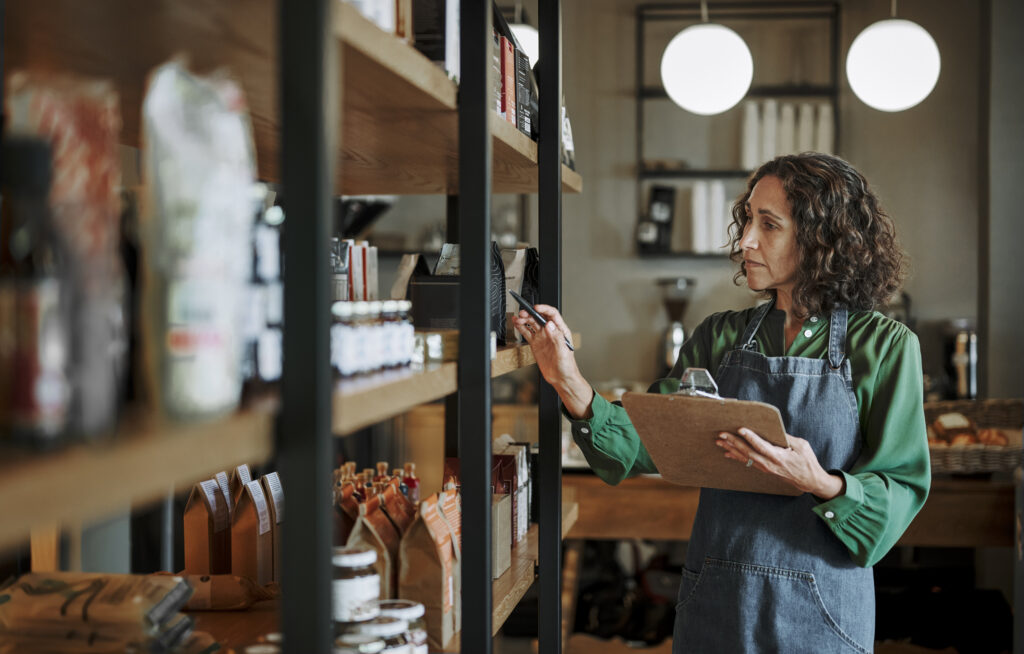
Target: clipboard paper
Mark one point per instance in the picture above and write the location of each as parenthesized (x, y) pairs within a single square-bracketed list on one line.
[(679, 432)]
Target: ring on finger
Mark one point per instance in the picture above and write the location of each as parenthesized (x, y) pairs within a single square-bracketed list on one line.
[(750, 462)]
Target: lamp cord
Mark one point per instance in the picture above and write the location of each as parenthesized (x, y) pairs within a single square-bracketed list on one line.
[(893, 9), (704, 10)]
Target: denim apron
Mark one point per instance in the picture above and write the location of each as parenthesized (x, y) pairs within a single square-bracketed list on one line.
[(763, 573)]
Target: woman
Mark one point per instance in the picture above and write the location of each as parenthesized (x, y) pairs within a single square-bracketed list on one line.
[(770, 573)]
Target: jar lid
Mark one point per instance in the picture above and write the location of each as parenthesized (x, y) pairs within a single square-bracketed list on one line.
[(402, 609), (341, 309), (382, 627), (404, 305), (358, 644), (264, 648), (353, 557), (389, 306), (274, 637)]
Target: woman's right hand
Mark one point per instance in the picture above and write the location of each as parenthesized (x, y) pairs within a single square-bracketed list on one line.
[(556, 361)]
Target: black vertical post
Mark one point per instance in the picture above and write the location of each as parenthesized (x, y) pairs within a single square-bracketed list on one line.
[(550, 216), (451, 402), (309, 113), (475, 323)]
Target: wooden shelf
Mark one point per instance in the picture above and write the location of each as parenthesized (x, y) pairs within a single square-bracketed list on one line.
[(142, 463), (365, 401), (234, 629), (399, 125), (510, 587)]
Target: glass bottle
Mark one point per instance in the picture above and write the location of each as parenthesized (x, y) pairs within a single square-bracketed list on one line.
[(35, 323), (412, 482)]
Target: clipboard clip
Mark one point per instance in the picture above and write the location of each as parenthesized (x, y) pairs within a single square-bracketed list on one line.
[(698, 382)]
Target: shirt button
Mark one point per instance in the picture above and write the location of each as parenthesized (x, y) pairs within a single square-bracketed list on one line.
[(814, 318), (584, 430), (808, 333), (830, 514)]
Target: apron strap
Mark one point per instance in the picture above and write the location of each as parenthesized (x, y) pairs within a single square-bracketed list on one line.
[(747, 340), (837, 337)]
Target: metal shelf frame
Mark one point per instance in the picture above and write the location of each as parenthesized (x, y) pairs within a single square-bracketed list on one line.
[(309, 72)]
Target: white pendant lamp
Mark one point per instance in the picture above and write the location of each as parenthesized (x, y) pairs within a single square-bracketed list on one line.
[(893, 64), (707, 68)]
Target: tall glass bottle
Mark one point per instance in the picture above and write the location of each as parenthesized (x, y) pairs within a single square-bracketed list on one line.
[(34, 333)]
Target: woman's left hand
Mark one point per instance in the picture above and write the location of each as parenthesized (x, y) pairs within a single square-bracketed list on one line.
[(796, 464)]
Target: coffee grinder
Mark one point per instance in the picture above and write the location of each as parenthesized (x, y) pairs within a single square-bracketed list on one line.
[(676, 293)]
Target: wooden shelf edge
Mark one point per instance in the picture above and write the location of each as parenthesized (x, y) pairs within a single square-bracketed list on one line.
[(143, 463), (368, 401), (400, 59)]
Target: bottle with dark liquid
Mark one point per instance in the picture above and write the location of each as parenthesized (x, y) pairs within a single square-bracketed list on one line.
[(34, 318)]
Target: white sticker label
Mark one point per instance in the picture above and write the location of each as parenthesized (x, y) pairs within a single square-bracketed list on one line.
[(355, 599), (276, 495), (260, 502), (221, 516), (225, 488), (243, 474)]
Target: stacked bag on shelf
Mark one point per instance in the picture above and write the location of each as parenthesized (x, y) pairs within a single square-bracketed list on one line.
[(74, 613), (232, 526), (416, 544)]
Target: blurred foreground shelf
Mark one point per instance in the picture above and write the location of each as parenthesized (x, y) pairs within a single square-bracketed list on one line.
[(143, 462)]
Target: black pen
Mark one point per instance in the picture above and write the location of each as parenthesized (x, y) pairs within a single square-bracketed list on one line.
[(536, 316)]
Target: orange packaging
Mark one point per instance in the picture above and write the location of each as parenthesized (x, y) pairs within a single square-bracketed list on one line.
[(207, 531), (427, 571), (347, 509), (397, 508), (252, 541), (373, 529), (451, 508)]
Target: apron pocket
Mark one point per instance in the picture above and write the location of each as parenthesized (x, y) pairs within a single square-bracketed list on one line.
[(733, 606)]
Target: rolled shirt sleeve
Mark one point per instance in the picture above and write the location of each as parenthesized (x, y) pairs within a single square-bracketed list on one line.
[(889, 483)]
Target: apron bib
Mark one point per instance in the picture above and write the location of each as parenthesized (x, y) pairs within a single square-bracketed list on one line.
[(763, 573)]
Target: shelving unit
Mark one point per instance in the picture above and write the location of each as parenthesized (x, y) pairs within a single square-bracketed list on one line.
[(141, 463), (366, 401), (237, 628), (336, 106), (824, 14)]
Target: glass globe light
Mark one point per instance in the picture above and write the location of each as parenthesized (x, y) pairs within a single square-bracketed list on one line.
[(893, 64), (707, 69)]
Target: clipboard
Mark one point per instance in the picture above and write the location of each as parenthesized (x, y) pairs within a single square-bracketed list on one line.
[(679, 432)]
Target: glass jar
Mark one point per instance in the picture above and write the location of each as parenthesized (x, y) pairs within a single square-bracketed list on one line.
[(356, 584), (363, 328), (375, 337), (391, 630), (343, 355), (407, 340), (412, 614), (352, 643), (392, 334)]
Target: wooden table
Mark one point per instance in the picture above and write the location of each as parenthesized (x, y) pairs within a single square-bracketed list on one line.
[(958, 513)]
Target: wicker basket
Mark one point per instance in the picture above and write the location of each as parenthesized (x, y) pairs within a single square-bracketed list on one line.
[(1001, 414)]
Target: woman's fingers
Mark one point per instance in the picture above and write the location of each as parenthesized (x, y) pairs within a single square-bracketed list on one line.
[(552, 315)]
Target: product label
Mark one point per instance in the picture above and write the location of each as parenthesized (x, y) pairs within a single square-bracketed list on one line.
[(218, 508), (41, 390), (268, 353), (260, 502), (225, 489), (243, 474), (354, 600), (268, 253), (276, 495)]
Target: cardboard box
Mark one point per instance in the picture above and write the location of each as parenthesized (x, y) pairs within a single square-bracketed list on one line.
[(272, 489), (207, 531), (501, 535), (252, 541), (428, 559)]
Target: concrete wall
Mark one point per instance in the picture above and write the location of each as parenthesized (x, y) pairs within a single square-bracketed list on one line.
[(1003, 321)]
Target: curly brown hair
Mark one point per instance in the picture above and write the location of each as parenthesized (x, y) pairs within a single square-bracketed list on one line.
[(849, 254)]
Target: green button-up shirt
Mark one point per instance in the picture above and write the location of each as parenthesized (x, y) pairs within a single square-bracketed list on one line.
[(889, 482)]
